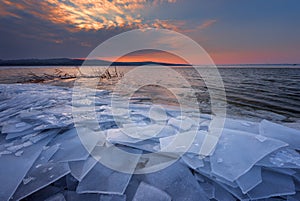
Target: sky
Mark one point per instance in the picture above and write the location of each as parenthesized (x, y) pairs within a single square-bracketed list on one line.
[(231, 31)]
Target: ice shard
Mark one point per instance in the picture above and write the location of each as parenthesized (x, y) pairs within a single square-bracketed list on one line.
[(280, 132), (221, 194), (112, 197), (102, 179), (177, 181), (282, 158), (147, 192), (273, 184), (72, 147), (56, 197), (249, 180), (80, 168), (241, 125), (42, 175), (73, 196)]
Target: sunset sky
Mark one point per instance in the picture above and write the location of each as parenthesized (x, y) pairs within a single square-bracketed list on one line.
[(231, 31)]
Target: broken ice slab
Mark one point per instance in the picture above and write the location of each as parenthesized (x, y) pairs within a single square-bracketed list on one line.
[(42, 175), (249, 180), (56, 197), (286, 171), (113, 180), (154, 161), (273, 184), (221, 180), (45, 193), (145, 145), (283, 133), (75, 146), (182, 123), (177, 181), (11, 136), (221, 194), (208, 188), (112, 197), (295, 197), (189, 141), (13, 169), (157, 113), (241, 125), (43, 135), (166, 131), (236, 192), (118, 135), (205, 170), (282, 158), (142, 132), (73, 196), (193, 161), (237, 153), (147, 192), (71, 182), (104, 180), (16, 127), (80, 168)]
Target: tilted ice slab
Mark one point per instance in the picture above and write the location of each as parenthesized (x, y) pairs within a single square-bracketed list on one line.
[(110, 181), (11, 175), (282, 158), (273, 184), (237, 153), (42, 173), (147, 192), (177, 181), (283, 133), (249, 180), (80, 168)]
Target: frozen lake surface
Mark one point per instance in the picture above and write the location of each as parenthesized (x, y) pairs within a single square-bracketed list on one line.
[(44, 157)]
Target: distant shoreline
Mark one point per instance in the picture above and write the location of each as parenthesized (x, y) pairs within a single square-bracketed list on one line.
[(80, 62)]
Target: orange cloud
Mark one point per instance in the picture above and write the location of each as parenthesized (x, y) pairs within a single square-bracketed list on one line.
[(87, 14)]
